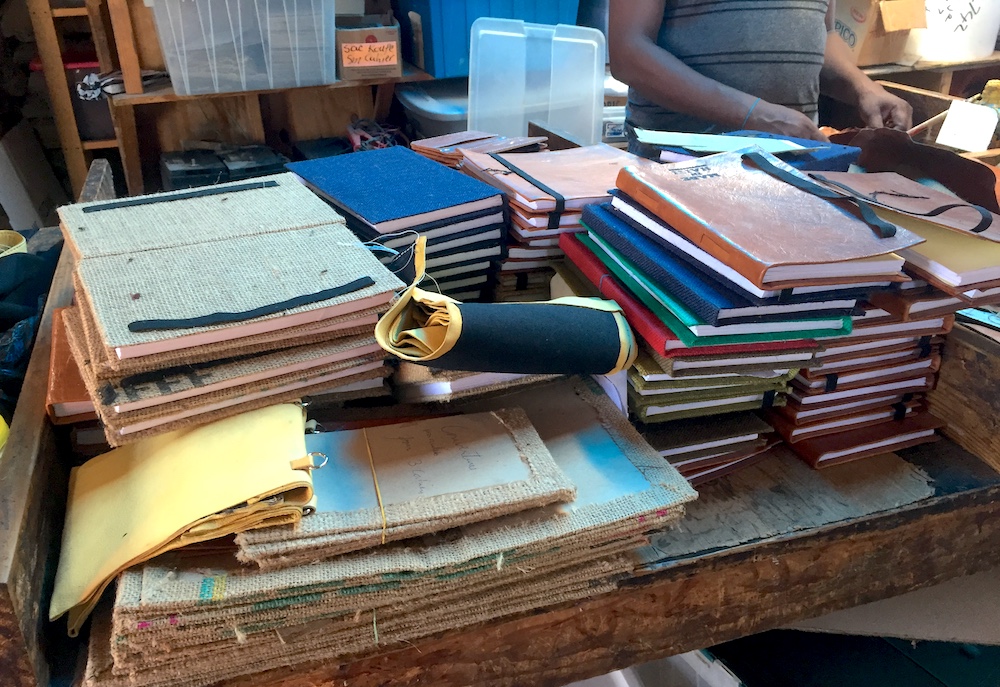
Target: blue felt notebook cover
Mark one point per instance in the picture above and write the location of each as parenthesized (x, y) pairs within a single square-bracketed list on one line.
[(392, 184)]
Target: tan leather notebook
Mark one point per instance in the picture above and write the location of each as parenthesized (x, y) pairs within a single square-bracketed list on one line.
[(868, 441), (771, 232), (66, 398)]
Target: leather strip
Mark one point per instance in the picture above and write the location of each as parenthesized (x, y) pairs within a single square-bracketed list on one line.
[(270, 309), (198, 193), (556, 214), (884, 229), (985, 218)]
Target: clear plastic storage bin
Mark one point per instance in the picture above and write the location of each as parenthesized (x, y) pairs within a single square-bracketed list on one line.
[(519, 72), (218, 46)]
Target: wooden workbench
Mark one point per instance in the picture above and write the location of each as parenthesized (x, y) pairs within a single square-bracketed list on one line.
[(740, 563)]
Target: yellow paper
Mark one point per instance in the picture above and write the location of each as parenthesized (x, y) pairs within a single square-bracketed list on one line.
[(158, 494)]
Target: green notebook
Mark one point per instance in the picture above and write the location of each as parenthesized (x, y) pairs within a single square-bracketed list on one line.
[(684, 323)]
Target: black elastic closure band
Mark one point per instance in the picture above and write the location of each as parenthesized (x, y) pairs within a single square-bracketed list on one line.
[(785, 295), (831, 382), (985, 218), (899, 411), (884, 229), (198, 193), (769, 397), (229, 317), (907, 397), (560, 199)]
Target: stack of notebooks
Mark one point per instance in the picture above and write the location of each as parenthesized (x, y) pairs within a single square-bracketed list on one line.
[(448, 149), (706, 448), (197, 305), (393, 195), (547, 491), (869, 395), (736, 293), (547, 192)]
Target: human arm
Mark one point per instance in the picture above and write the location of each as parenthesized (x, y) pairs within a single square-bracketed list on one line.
[(637, 60), (842, 80)]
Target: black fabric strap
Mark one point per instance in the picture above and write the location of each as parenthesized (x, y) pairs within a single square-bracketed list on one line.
[(556, 214), (907, 397), (769, 397), (900, 411), (925, 346), (884, 229), (521, 281), (785, 295), (985, 218), (229, 317), (831, 382), (198, 193)]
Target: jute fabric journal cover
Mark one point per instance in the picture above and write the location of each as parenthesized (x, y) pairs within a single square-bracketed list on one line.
[(432, 475)]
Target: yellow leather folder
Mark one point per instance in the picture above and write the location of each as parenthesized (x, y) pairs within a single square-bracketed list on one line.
[(188, 486)]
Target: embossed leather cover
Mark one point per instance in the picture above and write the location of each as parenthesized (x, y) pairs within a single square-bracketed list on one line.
[(753, 221), (868, 441)]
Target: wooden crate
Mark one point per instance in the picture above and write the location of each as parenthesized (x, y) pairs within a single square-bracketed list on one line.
[(33, 487), (966, 394)]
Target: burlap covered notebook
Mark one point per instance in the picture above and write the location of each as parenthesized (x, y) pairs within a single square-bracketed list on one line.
[(431, 474), (191, 216), (198, 295), (134, 503), (228, 621)]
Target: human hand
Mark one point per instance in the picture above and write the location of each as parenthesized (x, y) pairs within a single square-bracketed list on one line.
[(880, 109), (783, 120)]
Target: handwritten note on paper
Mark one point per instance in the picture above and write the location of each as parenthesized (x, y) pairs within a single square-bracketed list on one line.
[(369, 54), (415, 460)]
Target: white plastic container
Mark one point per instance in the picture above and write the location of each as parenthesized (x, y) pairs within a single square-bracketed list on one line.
[(959, 31), (218, 46), (436, 107), (519, 72)]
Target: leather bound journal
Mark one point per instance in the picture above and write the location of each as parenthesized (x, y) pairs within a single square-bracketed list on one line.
[(790, 237)]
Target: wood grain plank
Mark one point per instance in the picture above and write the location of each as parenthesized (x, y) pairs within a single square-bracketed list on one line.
[(59, 94), (102, 34), (123, 117), (696, 603), (33, 484), (125, 42)]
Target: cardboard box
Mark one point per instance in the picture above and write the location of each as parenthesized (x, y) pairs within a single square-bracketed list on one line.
[(877, 31), (368, 47)]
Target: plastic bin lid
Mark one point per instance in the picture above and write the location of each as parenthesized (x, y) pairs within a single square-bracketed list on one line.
[(445, 100)]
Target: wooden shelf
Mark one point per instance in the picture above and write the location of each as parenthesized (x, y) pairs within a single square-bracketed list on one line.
[(168, 95), (100, 145), (929, 66), (69, 11)]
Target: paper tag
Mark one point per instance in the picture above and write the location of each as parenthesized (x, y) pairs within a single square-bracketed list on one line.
[(369, 54), (968, 126)]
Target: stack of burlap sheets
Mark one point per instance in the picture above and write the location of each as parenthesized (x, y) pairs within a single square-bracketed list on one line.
[(200, 304), (196, 617)]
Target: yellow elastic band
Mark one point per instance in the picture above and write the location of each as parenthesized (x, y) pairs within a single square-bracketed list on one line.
[(11, 242), (378, 492)]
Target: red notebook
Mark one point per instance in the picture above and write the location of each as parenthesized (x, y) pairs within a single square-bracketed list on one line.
[(646, 324)]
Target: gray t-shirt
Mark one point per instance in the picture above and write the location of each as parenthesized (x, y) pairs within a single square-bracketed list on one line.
[(772, 49)]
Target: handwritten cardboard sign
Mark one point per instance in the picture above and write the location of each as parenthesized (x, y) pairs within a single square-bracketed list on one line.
[(368, 47), (369, 54)]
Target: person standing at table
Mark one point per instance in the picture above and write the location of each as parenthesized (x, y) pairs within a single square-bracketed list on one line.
[(708, 66)]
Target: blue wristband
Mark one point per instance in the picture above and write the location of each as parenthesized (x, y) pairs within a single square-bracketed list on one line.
[(749, 112)]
